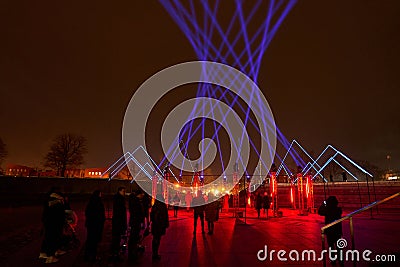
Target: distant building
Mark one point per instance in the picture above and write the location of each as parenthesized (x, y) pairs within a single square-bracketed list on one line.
[(95, 173), (75, 173), (19, 170), (26, 171)]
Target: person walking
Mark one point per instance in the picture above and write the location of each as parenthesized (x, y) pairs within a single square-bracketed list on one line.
[(211, 211), (176, 200), (198, 207), (259, 203), (95, 218), (159, 223), (53, 219), (136, 218), (119, 222)]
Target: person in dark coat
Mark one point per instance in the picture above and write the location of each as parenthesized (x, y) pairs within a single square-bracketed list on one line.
[(258, 203), (119, 222), (159, 223), (198, 203), (332, 212), (53, 219), (176, 200), (146, 202), (211, 211), (136, 218), (266, 203), (95, 218)]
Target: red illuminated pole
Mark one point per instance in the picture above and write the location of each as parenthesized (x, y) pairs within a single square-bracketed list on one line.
[(165, 187), (236, 189), (311, 186), (301, 193), (154, 188), (274, 193)]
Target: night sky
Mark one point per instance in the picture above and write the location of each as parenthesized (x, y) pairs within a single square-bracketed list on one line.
[(331, 74)]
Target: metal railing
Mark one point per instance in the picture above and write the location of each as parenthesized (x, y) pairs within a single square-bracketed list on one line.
[(350, 218)]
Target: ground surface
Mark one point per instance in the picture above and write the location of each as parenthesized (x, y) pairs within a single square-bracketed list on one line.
[(234, 243)]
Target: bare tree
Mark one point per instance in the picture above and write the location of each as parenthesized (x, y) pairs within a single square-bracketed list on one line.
[(66, 151), (3, 151)]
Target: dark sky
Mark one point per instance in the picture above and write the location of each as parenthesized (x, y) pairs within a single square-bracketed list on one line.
[(331, 74)]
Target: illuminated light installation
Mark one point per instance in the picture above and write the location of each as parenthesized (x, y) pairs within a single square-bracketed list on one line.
[(300, 190), (196, 181), (166, 176), (292, 195), (129, 157), (294, 142), (310, 193), (274, 193), (332, 158), (313, 164), (236, 189), (154, 187), (242, 49)]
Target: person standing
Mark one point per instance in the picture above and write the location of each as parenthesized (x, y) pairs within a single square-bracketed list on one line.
[(136, 218), (258, 204), (95, 218), (53, 219), (211, 211), (146, 203), (176, 200), (198, 207), (159, 223), (332, 212), (119, 223), (188, 200), (266, 203)]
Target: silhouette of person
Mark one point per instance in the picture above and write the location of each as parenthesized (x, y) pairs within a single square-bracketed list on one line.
[(146, 202), (53, 219), (159, 223), (266, 203), (136, 218), (258, 203), (119, 222), (176, 201), (95, 218), (344, 175), (211, 212), (332, 212), (198, 207)]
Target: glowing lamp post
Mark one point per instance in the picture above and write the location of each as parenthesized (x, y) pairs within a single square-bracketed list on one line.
[(300, 189), (274, 193), (154, 186), (310, 193)]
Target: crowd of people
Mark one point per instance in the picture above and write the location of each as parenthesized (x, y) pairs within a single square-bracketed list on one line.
[(144, 218)]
